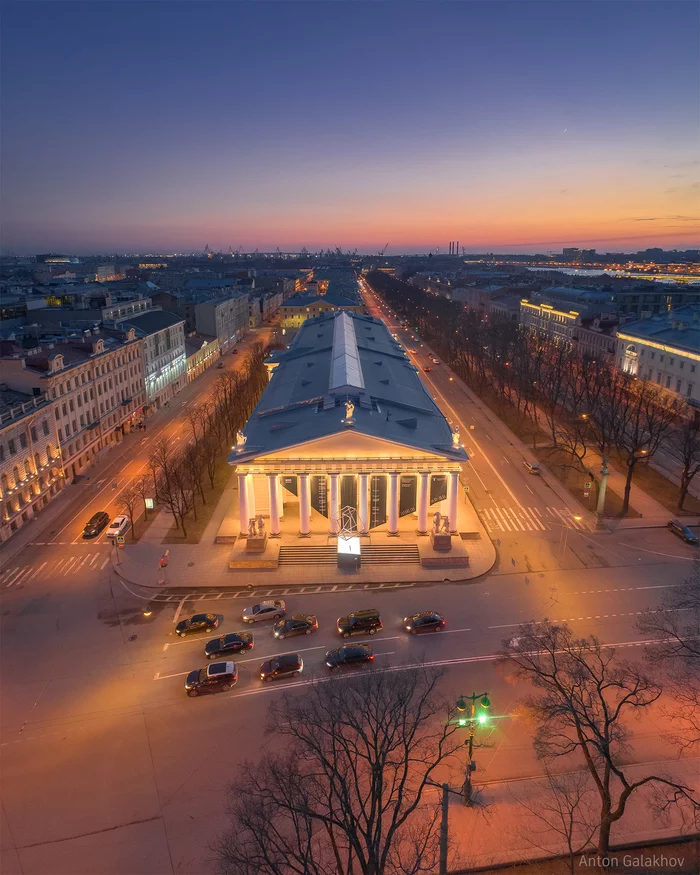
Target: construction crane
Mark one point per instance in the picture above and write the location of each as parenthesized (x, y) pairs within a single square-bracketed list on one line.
[(382, 251)]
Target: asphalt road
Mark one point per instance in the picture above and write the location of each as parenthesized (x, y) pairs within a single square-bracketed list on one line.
[(107, 765)]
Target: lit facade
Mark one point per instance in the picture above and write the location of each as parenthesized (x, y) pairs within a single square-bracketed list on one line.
[(295, 311), (31, 468), (164, 355), (665, 350), (346, 436)]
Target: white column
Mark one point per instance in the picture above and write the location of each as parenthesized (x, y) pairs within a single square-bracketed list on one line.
[(251, 496), (243, 502), (422, 503), (334, 503), (280, 498), (274, 505), (304, 504), (452, 492), (392, 510), (363, 502)]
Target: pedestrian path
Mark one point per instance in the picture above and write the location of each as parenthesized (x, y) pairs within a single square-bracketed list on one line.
[(21, 574), (530, 519)]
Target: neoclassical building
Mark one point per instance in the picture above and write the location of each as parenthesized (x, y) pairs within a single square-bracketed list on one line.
[(346, 436)]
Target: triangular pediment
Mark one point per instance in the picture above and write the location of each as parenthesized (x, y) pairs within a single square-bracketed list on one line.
[(351, 445)]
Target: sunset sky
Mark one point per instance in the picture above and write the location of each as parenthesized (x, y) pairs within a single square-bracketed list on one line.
[(163, 126)]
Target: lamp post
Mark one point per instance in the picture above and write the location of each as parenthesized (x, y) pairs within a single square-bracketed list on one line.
[(472, 721), (600, 509)]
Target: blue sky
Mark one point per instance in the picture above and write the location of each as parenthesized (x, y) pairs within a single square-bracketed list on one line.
[(168, 125)]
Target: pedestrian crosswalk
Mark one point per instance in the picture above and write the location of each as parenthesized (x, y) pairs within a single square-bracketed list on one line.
[(68, 565), (529, 519)]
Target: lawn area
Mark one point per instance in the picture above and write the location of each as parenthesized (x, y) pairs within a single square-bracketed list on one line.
[(561, 464), (195, 527), (657, 486)]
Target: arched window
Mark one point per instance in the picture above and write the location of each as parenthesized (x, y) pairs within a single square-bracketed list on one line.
[(37, 462)]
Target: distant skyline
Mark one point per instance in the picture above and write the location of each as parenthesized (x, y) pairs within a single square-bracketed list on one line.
[(511, 127)]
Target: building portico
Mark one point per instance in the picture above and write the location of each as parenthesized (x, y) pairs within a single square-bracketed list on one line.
[(346, 439)]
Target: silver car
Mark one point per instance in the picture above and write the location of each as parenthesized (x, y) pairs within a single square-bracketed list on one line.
[(268, 610)]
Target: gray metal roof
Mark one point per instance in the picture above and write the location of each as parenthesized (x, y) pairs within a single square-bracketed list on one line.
[(338, 357), (679, 328)]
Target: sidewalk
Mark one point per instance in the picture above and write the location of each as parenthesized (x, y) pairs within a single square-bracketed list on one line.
[(206, 565)]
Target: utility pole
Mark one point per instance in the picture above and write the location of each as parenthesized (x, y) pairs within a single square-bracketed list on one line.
[(444, 829)]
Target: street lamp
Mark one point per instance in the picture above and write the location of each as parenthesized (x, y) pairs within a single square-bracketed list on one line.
[(472, 721)]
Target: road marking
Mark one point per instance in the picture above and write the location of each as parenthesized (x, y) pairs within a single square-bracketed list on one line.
[(9, 572), (273, 655), (179, 608), (164, 677), (15, 575), (104, 563), (34, 574), (505, 522), (94, 559), (449, 631)]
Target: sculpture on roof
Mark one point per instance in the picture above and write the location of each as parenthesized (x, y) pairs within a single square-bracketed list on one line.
[(240, 440), (349, 410), (455, 438)]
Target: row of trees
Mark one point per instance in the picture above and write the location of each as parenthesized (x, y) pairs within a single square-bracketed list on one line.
[(347, 786), (176, 475), (582, 403)]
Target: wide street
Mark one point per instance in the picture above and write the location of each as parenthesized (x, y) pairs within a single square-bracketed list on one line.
[(107, 765)]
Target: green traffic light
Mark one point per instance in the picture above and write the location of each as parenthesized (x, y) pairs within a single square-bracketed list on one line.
[(483, 718)]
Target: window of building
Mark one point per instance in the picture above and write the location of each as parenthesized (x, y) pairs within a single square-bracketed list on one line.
[(668, 382), (23, 441), (11, 446), (653, 354), (690, 390), (2, 452), (678, 385), (661, 358), (671, 361), (45, 427), (692, 369), (57, 414), (658, 377), (60, 434), (33, 433), (80, 401)]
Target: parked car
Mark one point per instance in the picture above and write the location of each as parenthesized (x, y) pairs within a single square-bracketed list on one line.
[(360, 623), (217, 676), (118, 526), (198, 623), (683, 532), (288, 665), (299, 624), (349, 656), (269, 610), (95, 524), (220, 365), (425, 621), (531, 467), (234, 352), (233, 642)]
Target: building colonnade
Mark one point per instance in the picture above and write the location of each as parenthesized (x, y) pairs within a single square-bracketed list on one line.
[(247, 508)]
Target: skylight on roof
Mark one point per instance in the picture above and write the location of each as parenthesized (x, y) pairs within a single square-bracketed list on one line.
[(346, 370)]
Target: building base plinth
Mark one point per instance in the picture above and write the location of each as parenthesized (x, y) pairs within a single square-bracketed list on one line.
[(441, 541)]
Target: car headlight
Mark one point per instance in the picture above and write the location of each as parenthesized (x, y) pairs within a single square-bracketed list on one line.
[(408, 628)]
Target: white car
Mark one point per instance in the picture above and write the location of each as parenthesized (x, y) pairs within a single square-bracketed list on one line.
[(269, 610), (118, 525)]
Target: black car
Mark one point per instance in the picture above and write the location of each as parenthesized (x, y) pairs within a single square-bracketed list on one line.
[(95, 524), (198, 623), (288, 665), (217, 676), (299, 624), (360, 623), (688, 535), (349, 656), (425, 621), (234, 642)]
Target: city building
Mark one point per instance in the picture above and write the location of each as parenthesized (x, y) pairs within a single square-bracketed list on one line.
[(202, 351), (96, 380), (297, 309), (664, 349), (226, 318), (346, 436), (31, 468), (558, 311), (164, 356), (505, 305)]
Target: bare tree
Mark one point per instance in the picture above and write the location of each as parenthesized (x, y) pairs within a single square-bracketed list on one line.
[(172, 484), (683, 443), (347, 792), (582, 697), (129, 500), (645, 416), (143, 485), (563, 808), (675, 630)]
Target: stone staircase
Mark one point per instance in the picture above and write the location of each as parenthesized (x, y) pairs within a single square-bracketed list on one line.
[(378, 555)]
